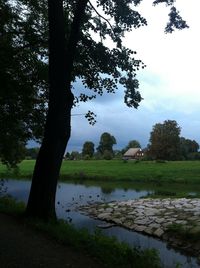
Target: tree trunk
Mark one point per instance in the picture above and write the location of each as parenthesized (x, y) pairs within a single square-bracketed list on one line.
[(41, 201)]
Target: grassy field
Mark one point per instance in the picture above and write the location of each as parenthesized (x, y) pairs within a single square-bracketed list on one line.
[(184, 172)]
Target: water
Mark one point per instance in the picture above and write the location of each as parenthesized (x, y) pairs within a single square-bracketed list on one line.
[(70, 196)]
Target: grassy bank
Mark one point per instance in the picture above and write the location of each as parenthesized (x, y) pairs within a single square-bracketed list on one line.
[(118, 170), (105, 250)]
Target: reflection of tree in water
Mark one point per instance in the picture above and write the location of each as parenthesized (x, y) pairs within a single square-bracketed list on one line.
[(107, 190)]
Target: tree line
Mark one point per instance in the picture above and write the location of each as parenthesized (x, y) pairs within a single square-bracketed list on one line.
[(165, 143)]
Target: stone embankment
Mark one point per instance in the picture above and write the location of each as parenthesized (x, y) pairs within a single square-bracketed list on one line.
[(154, 217)]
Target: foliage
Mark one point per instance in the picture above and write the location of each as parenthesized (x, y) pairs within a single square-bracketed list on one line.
[(106, 143), (23, 71), (31, 153), (23, 78), (88, 149), (107, 155), (75, 155), (10, 206), (107, 250), (165, 141), (189, 233), (117, 154), (188, 148)]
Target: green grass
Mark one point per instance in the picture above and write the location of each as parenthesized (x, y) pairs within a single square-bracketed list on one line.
[(189, 233), (106, 250), (183, 172)]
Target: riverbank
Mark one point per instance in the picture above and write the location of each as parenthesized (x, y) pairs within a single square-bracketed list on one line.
[(22, 247), (182, 172), (176, 221), (31, 243)]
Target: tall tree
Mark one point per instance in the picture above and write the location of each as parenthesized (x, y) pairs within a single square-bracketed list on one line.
[(88, 149), (73, 53), (165, 141), (106, 143), (41, 201)]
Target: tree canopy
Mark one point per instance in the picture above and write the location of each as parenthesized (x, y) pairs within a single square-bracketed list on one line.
[(24, 61), (106, 143), (88, 149), (188, 147), (165, 141)]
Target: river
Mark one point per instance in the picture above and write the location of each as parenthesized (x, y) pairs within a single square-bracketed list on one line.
[(72, 195)]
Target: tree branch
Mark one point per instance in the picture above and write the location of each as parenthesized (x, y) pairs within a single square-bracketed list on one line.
[(102, 17)]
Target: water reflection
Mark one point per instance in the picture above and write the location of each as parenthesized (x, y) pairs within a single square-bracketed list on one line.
[(71, 195)]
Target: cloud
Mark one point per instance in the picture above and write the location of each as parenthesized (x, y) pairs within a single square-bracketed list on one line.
[(169, 84)]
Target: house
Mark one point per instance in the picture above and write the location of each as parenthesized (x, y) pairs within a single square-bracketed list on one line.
[(133, 153)]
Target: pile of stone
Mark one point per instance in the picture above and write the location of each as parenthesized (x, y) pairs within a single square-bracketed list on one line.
[(150, 216)]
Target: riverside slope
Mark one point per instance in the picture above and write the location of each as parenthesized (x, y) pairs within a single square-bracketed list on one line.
[(154, 217)]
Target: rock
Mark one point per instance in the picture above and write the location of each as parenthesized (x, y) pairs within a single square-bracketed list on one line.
[(159, 220), (139, 228), (159, 232), (105, 225), (148, 230), (103, 216)]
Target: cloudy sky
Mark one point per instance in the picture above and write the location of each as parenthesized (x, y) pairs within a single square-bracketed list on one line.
[(170, 84)]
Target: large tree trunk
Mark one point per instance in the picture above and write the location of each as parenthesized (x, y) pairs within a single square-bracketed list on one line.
[(41, 201)]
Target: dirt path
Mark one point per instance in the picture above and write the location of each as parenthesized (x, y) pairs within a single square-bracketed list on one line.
[(22, 247)]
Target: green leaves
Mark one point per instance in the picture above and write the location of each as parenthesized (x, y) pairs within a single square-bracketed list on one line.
[(165, 141), (175, 21)]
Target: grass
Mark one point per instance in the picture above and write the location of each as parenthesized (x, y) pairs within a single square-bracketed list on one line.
[(183, 172), (169, 179), (189, 233), (106, 250)]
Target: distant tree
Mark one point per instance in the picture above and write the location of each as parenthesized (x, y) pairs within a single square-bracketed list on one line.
[(165, 141), (188, 147), (107, 155), (131, 144), (106, 143), (75, 155), (88, 149), (32, 152), (67, 155), (98, 156), (118, 154)]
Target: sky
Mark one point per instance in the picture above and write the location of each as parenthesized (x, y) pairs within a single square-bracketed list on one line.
[(169, 84)]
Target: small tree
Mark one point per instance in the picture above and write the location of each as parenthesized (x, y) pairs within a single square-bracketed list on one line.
[(88, 149)]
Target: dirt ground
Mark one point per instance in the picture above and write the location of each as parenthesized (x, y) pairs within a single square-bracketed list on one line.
[(22, 247)]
